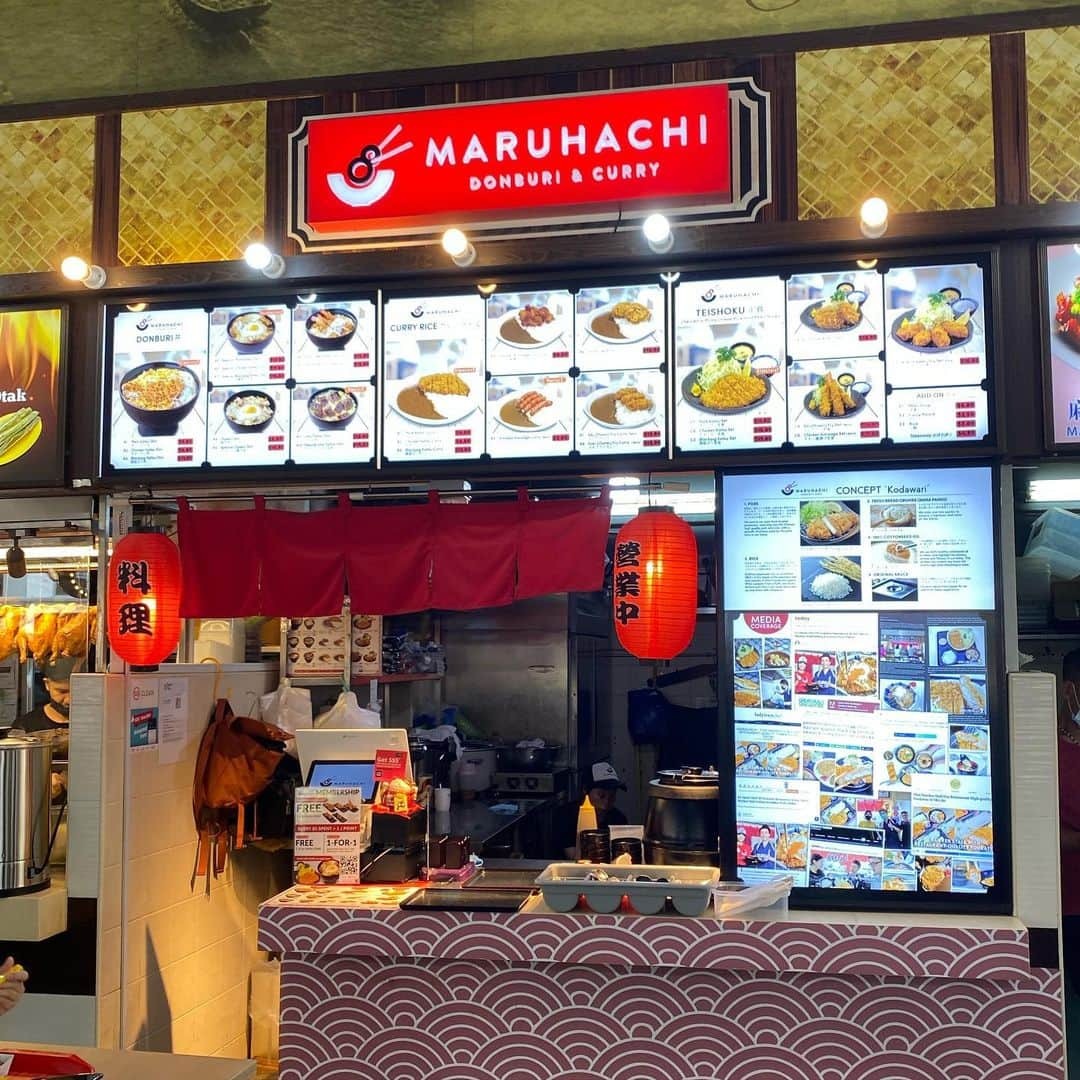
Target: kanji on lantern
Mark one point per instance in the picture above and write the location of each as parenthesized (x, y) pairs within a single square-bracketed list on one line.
[(654, 585), (144, 598)]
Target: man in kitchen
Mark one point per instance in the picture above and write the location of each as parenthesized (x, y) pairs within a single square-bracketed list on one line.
[(600, 781)]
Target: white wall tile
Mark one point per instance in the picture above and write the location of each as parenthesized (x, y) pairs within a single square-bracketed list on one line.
[(108, 961), (108, 1021)]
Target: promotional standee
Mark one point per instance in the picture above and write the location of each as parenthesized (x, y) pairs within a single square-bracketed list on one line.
[(556, 371), (860, 623)]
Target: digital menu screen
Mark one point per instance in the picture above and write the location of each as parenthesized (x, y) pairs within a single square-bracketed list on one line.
[(1063, 336), (871, 541), (848, 357), (863, 750), (244, 386), (433, 372)]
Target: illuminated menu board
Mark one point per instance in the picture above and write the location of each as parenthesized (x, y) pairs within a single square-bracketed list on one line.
[(849, 357), (244, 386), (906, 538), (860, 658), (1062, 314)]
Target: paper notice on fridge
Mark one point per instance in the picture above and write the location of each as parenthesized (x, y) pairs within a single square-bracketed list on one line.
[(172, 720)]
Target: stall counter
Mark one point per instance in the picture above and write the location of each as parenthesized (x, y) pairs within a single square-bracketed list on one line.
[(537, 995)]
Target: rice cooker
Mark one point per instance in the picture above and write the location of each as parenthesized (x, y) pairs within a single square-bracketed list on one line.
[(682, 821), (475, 769), (25, 768)]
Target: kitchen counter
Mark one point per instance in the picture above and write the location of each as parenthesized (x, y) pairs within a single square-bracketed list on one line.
[(656, 997), (137, 1065), (475, 819)]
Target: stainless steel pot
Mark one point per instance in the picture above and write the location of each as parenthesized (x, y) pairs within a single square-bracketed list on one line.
[(528, 758), (683, 818), (25, 767)]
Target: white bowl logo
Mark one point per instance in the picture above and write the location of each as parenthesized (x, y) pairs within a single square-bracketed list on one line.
[(367, 180), (709, 296)]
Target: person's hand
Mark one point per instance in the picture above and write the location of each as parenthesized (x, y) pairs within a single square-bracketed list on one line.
[(12, 984)]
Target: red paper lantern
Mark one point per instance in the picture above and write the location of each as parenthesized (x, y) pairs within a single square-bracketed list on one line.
[(655, 584), (144, 598)]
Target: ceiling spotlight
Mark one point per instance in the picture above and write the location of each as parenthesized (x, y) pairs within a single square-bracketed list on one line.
[(657, 230), (487, 288), (874, 217), (260, 257), (16, 560), (866, 264), (76, 269), (307, 297), (456, 244)]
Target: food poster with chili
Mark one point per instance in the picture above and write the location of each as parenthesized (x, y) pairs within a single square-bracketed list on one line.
[(434, 376), (158, 389), (530, 391), (730, 357)]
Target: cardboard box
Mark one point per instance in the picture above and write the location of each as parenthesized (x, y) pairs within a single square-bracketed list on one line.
[(332, 828)]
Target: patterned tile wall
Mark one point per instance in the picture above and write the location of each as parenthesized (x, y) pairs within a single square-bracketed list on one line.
[(1053, 71), (912, 123), (46, 192), (192, 182)]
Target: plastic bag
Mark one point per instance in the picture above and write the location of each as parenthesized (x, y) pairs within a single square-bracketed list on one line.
[(347, 713), (288, 707), (264, 1012), (731, 902)]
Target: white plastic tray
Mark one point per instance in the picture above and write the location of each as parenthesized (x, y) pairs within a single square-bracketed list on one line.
[(687, 887)]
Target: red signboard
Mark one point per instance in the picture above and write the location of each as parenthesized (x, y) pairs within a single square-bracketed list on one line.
[(699, 149)]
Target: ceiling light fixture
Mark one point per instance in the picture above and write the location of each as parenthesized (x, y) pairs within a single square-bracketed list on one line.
[(260, 257), (139, 305), (307, 297), (874, 217), (866, 264), (456, 244), (16, 560), (89, 274), (657, 230), (487, 288)]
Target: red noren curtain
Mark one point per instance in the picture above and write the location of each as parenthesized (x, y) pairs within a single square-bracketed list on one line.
[(394, 559)]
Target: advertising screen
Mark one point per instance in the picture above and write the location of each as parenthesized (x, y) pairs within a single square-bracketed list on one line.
[(32, 379), (860, 644), (1063, 336), (848, 357), (877, 540), (246, 386)]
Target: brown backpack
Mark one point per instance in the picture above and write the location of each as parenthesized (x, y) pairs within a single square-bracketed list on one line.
[(237, 758)]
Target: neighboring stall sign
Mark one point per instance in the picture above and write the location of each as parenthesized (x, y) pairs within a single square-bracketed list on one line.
[(32, 385), (860, 628), (1063, 342), (701, 149)]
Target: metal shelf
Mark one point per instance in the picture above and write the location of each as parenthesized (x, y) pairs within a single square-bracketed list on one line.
[(363, 680)]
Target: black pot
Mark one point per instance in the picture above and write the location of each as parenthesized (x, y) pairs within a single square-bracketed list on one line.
[(245, 429), (329, 344), (158, 421), (682, 821), (250, 346)]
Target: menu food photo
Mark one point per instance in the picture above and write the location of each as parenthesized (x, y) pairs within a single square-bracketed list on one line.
[(243, 386), (863, 540), (434, 367), (1063, 335), (863, 750), (730, 382)]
